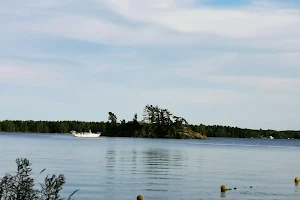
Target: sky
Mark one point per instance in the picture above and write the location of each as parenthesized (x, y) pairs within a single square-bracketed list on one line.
[(215, 62)]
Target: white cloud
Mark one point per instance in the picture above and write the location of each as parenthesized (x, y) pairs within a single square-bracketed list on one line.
[(207, 55), (34, 102), (87, 29), (198, 96), (29, 74), (200, 64), (273, 84), (246, 22), (170, 22), (260, 64)]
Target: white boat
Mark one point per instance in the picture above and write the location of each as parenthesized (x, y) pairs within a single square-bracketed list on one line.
[(86, 134), (271, 137)]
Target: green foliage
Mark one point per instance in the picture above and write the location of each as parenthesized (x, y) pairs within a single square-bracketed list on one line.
[(112, 118), (21, 185), (157, 123), (235, 132), (162, 123)]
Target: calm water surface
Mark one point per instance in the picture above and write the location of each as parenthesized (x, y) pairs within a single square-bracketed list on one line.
[(160, 169)]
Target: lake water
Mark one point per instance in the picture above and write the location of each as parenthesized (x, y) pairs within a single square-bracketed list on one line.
[(159, 169)]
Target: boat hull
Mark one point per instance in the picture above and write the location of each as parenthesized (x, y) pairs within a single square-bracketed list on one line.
[(88, 135)]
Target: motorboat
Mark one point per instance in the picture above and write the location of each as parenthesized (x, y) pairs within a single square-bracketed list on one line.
[(86, 134)]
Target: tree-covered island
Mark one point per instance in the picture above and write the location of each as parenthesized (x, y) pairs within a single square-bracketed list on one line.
[(157, 123)]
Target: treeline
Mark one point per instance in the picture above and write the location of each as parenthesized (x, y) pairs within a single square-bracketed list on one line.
[(156, 123), (235, 132)]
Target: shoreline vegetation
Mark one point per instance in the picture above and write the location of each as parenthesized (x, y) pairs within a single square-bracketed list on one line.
[(157, 123), (22, 185)]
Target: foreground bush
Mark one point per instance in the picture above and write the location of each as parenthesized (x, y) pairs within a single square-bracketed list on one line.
[(21, 186)]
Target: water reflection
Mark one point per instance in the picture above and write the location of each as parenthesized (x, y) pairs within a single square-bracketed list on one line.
[(163, 170), (223, 196), (109, 189), (110, 160), (156, 163), (297, 188), (110, 166), (134, 157)]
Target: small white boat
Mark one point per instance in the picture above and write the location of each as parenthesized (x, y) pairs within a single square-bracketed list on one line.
[(86, 134), (271, 137)]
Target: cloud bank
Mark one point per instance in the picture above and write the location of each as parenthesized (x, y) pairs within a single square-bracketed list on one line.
[(234, 65)]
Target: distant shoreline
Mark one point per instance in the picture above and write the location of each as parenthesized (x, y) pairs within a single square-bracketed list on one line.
[(157, 123), (40, 133)]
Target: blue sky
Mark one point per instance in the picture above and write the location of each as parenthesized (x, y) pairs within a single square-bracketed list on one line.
[(232, 62)]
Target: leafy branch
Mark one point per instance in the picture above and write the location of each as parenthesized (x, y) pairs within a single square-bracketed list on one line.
[(21, 185)]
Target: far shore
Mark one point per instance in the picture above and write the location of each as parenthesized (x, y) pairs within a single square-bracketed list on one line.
[(263, 138)]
